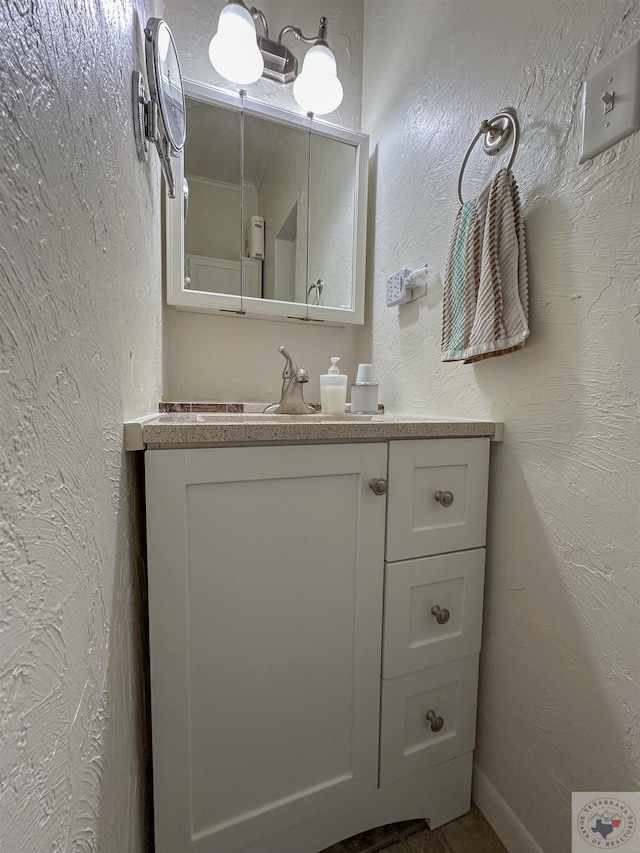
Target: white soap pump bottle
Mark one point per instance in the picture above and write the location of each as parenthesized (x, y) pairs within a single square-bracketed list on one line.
[(333, 390)]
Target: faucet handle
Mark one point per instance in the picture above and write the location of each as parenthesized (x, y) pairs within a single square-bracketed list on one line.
[(290, 366), (291, 369)]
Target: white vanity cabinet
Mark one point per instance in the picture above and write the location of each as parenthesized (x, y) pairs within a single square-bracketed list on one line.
[(282, 720)]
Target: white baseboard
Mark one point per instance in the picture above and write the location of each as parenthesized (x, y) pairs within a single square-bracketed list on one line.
[(504, 822)]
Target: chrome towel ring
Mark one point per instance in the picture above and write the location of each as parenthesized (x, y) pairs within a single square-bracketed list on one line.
[(497, 131)]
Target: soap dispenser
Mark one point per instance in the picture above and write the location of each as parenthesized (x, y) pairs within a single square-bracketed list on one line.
[(333, 390)]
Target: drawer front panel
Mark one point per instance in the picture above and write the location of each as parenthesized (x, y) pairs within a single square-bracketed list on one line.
[(437, 500), (416, 637), (408, 743)]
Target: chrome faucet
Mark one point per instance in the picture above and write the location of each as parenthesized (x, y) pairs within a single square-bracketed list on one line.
[(291, 401)]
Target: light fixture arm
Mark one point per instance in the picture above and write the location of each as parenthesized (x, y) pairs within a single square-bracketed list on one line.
[(298, 34), (258, 15)]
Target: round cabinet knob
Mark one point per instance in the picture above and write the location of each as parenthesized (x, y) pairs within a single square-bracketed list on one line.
[(436, 722), (444, 498), (378, 485), (441, 613)]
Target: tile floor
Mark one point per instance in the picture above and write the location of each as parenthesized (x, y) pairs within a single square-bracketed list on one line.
[(468, 834)]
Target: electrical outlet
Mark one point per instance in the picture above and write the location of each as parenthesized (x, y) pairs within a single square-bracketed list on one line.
[(397, 291)]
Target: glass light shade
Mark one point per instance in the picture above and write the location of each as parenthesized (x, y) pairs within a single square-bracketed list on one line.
[(234, 51), (317, 88)]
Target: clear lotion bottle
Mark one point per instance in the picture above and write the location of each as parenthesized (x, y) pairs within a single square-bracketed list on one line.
[(333, 390)]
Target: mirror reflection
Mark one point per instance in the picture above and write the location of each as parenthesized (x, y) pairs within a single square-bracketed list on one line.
[(293, 225), (276, 160), (213, 231), (331, 222)]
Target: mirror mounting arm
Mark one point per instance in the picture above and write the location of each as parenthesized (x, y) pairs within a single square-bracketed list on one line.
[(151, 121), (147, 130), (164, 153)]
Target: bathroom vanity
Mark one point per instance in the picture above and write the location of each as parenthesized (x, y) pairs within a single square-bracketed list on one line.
[(315, 607)]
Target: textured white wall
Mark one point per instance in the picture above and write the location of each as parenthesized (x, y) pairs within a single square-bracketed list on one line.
[(80, 347), (209, 357), (559, 703)]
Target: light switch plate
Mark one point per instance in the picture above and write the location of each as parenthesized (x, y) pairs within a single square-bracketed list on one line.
[(616, 89)]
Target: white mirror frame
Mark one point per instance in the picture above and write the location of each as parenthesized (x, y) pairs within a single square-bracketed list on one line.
[(228, 305)]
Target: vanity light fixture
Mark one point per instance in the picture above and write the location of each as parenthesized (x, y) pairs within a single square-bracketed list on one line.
[(242, 57)]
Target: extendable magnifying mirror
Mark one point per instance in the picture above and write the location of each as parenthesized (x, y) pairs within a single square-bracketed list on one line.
[(161, 119)]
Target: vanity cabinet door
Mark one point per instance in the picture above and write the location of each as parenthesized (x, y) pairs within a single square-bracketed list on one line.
[(437, 496), (265, 597)]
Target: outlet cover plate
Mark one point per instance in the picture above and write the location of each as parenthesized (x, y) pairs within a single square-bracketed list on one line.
[(397, 291), (621, 79)]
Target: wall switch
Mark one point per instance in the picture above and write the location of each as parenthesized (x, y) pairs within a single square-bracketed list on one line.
[(611, 103), (397, 291)]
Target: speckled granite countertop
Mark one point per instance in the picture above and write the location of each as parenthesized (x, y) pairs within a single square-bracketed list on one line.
[(188, 429)]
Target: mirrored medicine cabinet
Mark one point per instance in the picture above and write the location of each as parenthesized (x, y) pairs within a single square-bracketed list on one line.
[(275, 214)]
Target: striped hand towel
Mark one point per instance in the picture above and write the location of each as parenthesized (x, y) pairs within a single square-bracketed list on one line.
[(486, 302)]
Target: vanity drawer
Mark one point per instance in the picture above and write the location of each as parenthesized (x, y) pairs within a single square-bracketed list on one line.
[(408, 743), (432, 611), (437, 499)]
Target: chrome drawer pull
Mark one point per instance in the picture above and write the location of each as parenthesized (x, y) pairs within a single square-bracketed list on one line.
[(442, 614), (436, 722), (444, 498), (378, 485)]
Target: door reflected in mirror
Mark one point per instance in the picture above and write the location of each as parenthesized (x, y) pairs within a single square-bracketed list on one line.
[(213, 232)]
